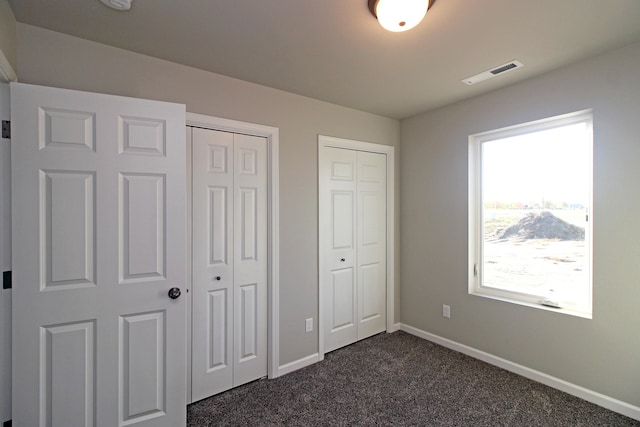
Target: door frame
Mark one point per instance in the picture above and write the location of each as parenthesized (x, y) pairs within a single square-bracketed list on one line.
[(389, 151), (5, 257), (272, 136)]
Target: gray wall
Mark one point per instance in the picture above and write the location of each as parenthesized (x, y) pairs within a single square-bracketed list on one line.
[(602, 354), (54, 59)]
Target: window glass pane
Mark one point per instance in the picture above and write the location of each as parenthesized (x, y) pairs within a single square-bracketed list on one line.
[(535, 195)]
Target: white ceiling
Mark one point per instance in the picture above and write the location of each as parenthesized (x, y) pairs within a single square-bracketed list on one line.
[(334, 50)]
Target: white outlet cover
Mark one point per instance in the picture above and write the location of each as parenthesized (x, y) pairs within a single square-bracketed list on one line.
[(446, 311)]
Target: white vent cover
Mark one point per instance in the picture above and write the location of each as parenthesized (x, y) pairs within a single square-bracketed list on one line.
[(500, 69), (118, 4)]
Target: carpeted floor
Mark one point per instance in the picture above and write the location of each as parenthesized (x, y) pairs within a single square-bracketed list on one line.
[(399, 379)]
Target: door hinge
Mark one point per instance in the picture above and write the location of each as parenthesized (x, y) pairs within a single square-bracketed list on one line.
[(7, 282), (6, 129)]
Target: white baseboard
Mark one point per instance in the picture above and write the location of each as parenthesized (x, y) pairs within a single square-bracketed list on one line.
[(298, 364), (589, 395), (313, 358)]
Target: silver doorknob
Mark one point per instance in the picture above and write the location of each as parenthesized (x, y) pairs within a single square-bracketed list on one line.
[(174, 293)]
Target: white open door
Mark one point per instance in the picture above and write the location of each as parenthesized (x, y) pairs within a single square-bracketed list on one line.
[(98, 202)]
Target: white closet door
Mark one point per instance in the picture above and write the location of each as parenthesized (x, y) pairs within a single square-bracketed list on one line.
[(212, 260), (99, 240), (353, 230), (372, 251), (250, 258), (229, 261), (338, 170)]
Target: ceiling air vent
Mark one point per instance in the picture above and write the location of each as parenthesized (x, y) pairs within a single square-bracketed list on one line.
[(500, 69)]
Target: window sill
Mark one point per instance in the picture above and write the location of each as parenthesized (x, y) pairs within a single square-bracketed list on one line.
[(569, 311)]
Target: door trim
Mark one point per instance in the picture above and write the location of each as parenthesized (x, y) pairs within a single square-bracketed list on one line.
[(5, 259), (332, 142), (272, 135)]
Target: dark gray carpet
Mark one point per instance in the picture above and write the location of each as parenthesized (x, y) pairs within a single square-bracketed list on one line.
[(399, 379)]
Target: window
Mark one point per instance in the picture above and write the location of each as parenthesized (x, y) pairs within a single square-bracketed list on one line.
[(530, 215)]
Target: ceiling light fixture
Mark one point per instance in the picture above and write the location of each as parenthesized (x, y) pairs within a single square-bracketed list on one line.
[(118, 4), (399, 15)]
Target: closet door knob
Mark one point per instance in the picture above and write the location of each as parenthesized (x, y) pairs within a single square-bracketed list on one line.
[(218, 278), (174, 293), (342, 260)]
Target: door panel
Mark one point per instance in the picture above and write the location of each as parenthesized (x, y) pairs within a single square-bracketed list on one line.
[(250, 258), (342, 205), (143, 366), (248, 224), (343, 307), (218, 311), (67, 129), (142, 227), (100, 342), (70, 375), (371, 292), (338, 172), (142, 136), (68, 222), (372, 244), (370, 217), (212, 312), (248, 323), (218, 239)]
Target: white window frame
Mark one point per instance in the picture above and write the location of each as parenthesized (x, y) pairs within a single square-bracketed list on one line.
[(476, 260)]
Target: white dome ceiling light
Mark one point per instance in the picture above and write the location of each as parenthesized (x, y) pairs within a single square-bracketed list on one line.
[(118, 4), (399, 15)]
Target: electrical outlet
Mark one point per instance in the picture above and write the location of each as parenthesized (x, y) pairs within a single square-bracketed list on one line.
[(446, 311), (308, 326)]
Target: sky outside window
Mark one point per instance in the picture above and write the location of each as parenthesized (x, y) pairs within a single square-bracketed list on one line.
[(550, 165)]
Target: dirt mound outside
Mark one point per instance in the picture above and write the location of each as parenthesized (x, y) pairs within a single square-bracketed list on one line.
[(543, 225)]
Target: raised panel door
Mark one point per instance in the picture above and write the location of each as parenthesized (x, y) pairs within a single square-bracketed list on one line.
[(353, 244), (372, 245), (338, 175), (229, 261), (212, 260), (97, 341), (250, 258)]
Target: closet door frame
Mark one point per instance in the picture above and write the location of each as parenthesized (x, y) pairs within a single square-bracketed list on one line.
[(272, 135), (389, 151)]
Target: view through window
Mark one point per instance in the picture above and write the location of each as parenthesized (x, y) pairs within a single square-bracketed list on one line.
[(532, 225)]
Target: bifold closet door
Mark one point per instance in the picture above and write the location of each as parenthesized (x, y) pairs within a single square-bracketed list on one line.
[(371, 232), (353, 229), (229, 259)]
